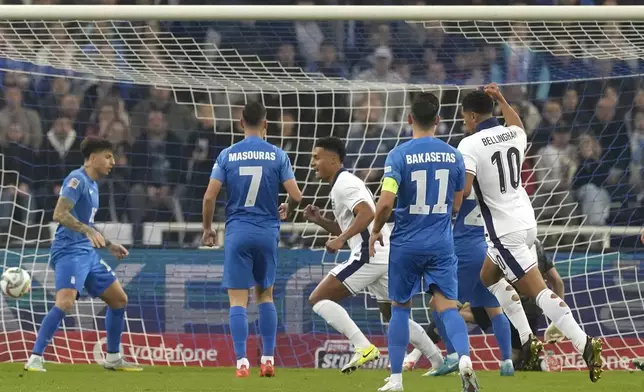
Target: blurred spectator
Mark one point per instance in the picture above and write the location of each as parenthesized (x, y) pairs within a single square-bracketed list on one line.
[(381, 73), (589, 181), (309, 36), (328, 63), (156, 167), (180, 120), (58, 48), (14, 111), (60, 155), (115, 187), (50, 104), (70, 108), (108, 111), (369, 141), (296, 143), (199, 153), (636, 107), (554, 168), (637, 153), (612, 137), (492, 71), (287, 56), (551, 122), (572, 113), (517, 96)]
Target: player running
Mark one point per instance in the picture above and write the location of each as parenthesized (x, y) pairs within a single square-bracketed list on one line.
[(354, 208), (252, 170), (470, 246), (427, 175), (493, 156), (76, 262)]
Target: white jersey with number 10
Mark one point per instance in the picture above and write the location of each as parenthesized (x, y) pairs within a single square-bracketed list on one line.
[(495, 156)]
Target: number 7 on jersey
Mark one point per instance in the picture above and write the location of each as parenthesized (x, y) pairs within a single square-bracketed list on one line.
[(256, 178)]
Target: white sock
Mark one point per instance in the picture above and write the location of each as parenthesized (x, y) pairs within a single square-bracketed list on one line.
[(34, 357), (266, 358), (465, 365), (505, 294), (452, 356), (396, 378), (113, 357), (414, 356), (242, 362), (418, 337), (561, 316), (338, 318)]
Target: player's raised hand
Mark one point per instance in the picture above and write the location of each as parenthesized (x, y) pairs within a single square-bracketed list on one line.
[(375, 237), (208, 237), (312, 213), (283, 210), (96, 238), (334, 245), (493, 91), (118, 251)]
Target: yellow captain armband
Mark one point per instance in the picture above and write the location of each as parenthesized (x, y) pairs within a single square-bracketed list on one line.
[(390, 185)]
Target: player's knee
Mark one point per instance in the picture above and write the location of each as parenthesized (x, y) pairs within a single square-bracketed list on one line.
[(66, 304), (314, 299), (119, 302)]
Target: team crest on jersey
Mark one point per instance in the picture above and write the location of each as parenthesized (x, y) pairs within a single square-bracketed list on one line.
[(387, 169), (73, 183)]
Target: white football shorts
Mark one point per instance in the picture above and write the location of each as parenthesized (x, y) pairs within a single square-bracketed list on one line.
[(356, 275), (514, 253)]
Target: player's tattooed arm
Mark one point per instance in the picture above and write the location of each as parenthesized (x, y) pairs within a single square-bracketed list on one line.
[(63, 215)]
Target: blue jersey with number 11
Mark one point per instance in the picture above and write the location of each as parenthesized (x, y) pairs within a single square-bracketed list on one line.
[(82, 191), (428, 171), (252, 171)]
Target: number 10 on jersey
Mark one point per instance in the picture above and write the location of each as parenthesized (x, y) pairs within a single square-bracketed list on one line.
[(421, 207)]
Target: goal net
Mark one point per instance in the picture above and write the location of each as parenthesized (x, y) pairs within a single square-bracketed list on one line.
[(169, 96)]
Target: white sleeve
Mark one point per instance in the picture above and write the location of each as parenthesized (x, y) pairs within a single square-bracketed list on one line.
[(469, 155), (523, 137), (352, 193)]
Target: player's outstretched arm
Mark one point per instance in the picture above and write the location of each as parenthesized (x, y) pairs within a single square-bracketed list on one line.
[(511, 117), (294, 197), (208, 211), (63, 215), (363, 217), (383, 211), (313, 215)]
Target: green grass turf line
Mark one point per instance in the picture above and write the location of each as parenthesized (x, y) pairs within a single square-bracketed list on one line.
[(90, 378)]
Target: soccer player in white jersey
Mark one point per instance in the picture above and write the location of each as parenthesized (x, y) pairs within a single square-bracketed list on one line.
[(354, 209), (493, 156)]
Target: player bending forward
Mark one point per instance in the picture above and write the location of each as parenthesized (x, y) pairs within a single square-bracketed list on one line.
[(252, 171), (354, 208), (469, 242), (493, 156), (76, 262), (428, 176)]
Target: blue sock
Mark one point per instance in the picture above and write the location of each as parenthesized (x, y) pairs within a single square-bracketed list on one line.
[(398, 337), (501, 328), (268, 327), (441, 331), (114, 321), (239, 329), (47, 329), (456, 330)]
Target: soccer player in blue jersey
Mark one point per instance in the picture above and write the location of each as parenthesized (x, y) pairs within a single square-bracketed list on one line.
[(471, 248), (252, 171), (76, 262), (427, 176)]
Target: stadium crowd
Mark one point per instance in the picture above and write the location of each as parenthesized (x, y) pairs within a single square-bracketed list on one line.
[(587, 137)]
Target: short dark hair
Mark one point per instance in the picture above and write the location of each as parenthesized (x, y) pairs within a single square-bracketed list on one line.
[(478, 102), (424, 109), (334, 145), (94, 144), (254, 113)]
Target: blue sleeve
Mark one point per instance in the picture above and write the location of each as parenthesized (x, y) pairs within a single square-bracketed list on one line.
[(460, 172), (72, 188), (219, 168), (286, 171), (394, 166)]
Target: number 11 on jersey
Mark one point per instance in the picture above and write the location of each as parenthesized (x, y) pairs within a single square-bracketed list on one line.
[(421, 207)]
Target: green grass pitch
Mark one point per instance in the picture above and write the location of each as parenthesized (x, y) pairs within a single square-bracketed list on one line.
[(90, 378)]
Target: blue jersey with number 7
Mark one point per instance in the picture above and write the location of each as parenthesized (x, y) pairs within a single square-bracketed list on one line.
[(428, 171), (252, 171)]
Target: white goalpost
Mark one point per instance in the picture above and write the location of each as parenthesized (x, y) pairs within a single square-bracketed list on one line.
[(177, 311)]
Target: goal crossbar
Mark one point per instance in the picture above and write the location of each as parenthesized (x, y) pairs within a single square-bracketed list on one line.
[(326, 12)]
